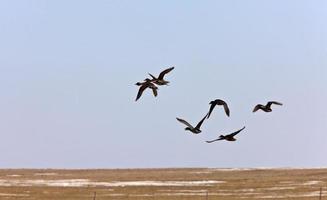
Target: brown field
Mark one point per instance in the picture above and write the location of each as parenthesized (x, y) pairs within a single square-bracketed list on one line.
[(163, 184)]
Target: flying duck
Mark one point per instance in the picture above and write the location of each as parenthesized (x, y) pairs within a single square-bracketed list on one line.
[(220, 103), (267, 107), (229, 137), (146, 84), (195, 130), (160, 80)]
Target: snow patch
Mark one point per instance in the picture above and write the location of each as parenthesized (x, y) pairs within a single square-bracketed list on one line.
[(281, 188), (45, 174), (312, 182), (13, 195), (14, 175), (87, 182)]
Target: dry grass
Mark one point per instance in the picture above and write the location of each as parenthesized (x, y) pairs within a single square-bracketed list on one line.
[(225, 184)]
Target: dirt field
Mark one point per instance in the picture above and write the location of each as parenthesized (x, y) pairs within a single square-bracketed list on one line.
[(163, 184)]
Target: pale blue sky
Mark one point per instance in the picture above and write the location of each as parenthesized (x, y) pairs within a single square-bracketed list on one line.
[(68, 68)]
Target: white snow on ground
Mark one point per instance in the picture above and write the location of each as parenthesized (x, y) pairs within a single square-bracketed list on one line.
[(211, 170), (243, 196), (194, 191), (245, 190), (116, 195), (181, 194), (86, 183), (281, 188), (248, 169), (45, 174), (14, 175), (13, 195), (201, 172), (54, 183), (176, 193), (287, 182), (231, 169), (308, 194), (312, 182), (261, 168), (141, 195), (160, 183), (240, 191), (230, 193), (307, 183)]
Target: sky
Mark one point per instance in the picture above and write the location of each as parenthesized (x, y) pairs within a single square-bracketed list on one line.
[(68, 69)]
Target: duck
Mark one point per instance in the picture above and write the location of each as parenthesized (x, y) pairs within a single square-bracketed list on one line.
[(160, 80), (220, 103), (196, 129), (267, 107), (229, 137), (146, 84)]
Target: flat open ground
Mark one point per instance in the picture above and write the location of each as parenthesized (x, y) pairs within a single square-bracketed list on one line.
[(163, 184)]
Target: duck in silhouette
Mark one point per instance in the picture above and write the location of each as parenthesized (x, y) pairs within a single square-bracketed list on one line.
[(229, 137), (267, 107), (144, 85), (160, 80), (195, 130), (218, 102)]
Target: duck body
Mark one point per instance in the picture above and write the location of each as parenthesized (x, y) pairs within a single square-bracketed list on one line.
[(267, 107), (218, 102), (189, 127), (262, 107), (144, 85), (160, 80), (229, 137), (193, 130)]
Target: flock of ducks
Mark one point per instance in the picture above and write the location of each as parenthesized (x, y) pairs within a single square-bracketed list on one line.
[(151, 83), (160, 81)]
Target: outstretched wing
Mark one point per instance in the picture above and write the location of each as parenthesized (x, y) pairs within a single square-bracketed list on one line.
[(211, 109), (200, 123), (210, 141), (140, 92), (236, 132), (155, 92), (226, 109), (162, 74), (153, 77), (257, 107), (273, 102), (185, 122)]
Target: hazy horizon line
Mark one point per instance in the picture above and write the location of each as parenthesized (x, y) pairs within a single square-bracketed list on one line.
[(158, 168)]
